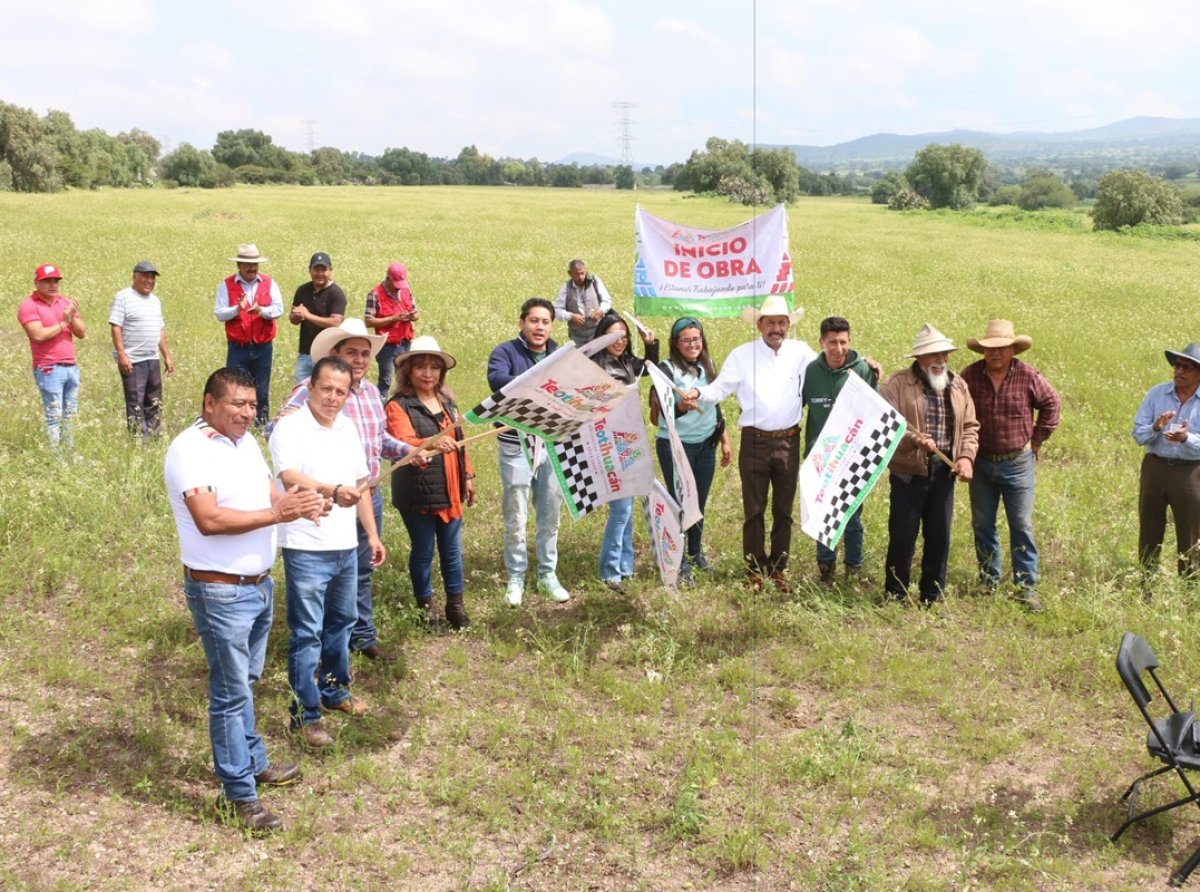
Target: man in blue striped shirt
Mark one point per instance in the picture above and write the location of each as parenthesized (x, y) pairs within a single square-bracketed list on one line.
[(1168, 425)]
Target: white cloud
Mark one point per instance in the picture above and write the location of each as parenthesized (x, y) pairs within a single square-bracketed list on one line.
[(686, 28)]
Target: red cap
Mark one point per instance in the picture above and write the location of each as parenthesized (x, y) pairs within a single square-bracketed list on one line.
[(47, 271), (396, 274)]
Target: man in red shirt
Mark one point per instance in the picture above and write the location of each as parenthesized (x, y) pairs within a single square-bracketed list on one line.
[(1017, 411), (391, 311), (249, 304), (51, 320)]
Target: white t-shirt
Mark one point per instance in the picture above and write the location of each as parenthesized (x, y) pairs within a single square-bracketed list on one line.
[(201, 459), (330, 455), (767, 383)]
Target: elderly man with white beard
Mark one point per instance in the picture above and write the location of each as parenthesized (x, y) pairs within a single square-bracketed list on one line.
[(940, 413)]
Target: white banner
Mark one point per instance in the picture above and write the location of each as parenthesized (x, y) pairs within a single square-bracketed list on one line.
[(679, 270), (666, 535), (605, 460), (845, 463), (685, 481)]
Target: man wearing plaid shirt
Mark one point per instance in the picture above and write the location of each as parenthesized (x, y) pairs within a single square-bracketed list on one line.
[(1017, 410), (352, 342), (940, 414)]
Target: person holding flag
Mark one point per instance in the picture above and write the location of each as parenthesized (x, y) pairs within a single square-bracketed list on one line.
[(689, 365), (823, 381), (617, 359)]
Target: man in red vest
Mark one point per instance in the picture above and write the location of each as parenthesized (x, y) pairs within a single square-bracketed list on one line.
[(249, 304), (391, 311)]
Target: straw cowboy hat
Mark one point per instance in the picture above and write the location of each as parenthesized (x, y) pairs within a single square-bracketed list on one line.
[(774, 305), (426, 345), (328, 338), (1191, 353), (248, 253), (1000, 334), (930, 340)]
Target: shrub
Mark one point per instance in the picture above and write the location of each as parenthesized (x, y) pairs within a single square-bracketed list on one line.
[(908, 200), (1134, 197)]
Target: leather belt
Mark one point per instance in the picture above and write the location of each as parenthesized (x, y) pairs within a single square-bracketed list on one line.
[(1175, 462), (773, 435), (224, 578), (1007, 456)]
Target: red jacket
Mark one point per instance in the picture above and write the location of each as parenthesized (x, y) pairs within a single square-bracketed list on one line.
[(244, 328), (390, 306)]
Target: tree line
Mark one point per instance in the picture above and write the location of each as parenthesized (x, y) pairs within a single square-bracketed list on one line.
[(45, 154)]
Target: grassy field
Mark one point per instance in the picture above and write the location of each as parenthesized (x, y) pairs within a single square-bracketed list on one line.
[(716, 740)]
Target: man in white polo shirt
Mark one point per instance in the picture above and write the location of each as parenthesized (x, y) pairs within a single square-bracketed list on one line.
[(316, 447), (139, 335), (226, 509)]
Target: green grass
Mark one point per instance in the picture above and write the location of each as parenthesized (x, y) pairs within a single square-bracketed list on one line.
[(716, 740)]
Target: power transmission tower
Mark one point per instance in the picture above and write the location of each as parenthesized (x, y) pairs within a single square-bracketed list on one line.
[(625, 123), (311, 127)]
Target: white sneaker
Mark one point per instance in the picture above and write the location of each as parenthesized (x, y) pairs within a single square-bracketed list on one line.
[(515, 591), (552, 587)]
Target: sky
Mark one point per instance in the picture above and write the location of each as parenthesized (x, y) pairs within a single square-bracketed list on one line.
[(539, 78)]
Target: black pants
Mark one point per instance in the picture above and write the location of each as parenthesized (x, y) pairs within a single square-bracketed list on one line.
[(143, 397), (924, 504)]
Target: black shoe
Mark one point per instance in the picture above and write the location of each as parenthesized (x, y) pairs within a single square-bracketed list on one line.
[(278, 775), (456, 613), (700, 562), (375, 652)]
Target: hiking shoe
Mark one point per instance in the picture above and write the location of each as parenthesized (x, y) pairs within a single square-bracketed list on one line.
[(827, 571), (781, 583), (515, 591), (354, 706), (615, 585), (250, 814), (550, 585), (278, 775), (1029, 598), (314, 735)]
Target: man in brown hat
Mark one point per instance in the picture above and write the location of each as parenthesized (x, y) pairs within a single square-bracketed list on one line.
[(941, 419), (249, 304), (1168, 425), (1017, 411)]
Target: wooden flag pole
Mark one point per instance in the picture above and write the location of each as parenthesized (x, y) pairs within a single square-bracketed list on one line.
[(429, 441), (936, 452)]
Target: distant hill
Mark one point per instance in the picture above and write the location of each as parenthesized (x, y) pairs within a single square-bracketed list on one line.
[(1134, 139), (587, 159)]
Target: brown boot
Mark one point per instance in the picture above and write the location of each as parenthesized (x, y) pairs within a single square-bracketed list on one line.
[(456, 613), (429, 613), (827, 570)]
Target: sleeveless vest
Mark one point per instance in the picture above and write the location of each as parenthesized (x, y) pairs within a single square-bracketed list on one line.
[(243, 328)]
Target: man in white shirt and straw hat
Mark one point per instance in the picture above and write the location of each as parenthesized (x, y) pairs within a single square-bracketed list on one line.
[(941, 425), (766, 375)]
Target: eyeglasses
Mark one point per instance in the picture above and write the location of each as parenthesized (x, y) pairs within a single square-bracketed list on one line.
[(690, 342)]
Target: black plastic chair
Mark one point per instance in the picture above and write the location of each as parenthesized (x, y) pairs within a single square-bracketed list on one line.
[(1172, 740)]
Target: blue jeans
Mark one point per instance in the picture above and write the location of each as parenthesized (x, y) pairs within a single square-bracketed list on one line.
[(423, 531), (852, 538), (59, 387), (387, 364), (363, 635), (233, 622), (1010, 481), (518, 482), (703, 459), (320, 613), (616, 549), (255, 359), (303, 368)]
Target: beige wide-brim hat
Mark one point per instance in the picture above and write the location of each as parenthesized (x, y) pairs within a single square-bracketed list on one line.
[(248, 253), (930, 340), (328, 338), (774, 305), (1000, 334), (426, 345)]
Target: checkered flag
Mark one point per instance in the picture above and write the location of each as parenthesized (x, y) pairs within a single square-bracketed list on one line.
[(554, 397), (855, 445), (579, 484)]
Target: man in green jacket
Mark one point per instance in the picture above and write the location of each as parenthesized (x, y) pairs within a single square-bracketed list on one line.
[(822, 383)]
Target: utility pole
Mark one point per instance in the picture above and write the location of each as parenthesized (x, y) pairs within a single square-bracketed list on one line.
[(625, 125)]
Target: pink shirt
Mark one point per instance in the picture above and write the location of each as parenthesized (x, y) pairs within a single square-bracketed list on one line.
[(60, 348)]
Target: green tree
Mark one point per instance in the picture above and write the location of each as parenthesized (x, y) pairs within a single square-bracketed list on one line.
[(189, 166), (948, 176), (882, 191), (1044, 190), (1134, 197), (623, 176)]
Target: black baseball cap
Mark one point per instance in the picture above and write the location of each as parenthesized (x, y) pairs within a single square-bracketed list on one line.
[(321, 259), (145, 266)]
